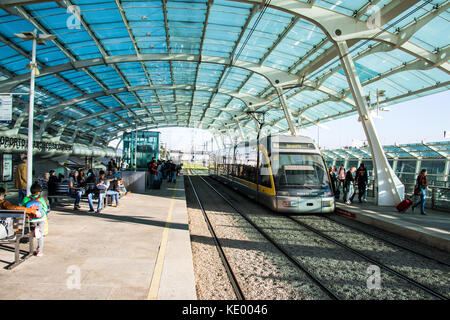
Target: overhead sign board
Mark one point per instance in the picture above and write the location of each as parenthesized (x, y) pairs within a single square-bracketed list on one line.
[(5, 108)]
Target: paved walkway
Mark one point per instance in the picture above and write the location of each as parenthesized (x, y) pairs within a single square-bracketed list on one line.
[(140, 250), (432, 229)]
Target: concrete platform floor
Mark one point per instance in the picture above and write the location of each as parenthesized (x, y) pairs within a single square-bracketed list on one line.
[(432, 229), (139, 250)]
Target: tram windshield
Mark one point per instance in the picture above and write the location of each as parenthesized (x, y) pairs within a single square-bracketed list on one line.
[(300, 171)]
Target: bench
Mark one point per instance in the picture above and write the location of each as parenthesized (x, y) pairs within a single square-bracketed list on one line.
[(21, 226), (61, 191)]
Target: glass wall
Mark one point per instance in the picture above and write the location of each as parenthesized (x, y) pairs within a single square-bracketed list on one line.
[(147, 148)]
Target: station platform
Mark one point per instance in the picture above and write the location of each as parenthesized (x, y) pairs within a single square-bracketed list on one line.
[(139, 250), (432, 229)]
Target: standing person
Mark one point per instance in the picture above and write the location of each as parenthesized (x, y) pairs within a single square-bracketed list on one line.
[(20, 178), (76, 190), (361, 180), (174, 172), (44, 184), (153, 172), (150, 170), (169, 170), (421, 189), (52, 181), (341, 179), (160, 169), (349, 185), (35, 201), (333, 178)]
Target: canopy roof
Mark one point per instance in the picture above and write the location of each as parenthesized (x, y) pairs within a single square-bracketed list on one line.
[(118, 64), (423, 150)]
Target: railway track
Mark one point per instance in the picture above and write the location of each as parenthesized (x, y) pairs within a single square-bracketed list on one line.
[(358, 253), (234, 282), (370, 234), (371, 260)]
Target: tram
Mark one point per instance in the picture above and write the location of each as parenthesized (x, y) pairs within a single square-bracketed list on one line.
[(285, 173)]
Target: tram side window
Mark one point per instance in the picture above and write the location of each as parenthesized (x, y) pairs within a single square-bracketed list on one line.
[(264, 174)]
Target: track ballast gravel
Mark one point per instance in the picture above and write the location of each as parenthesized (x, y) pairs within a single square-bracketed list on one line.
[(344, 272), (261, 270)]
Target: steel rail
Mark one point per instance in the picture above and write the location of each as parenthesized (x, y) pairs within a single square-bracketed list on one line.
[(234, 283), (367, 258), (388, 241), (273, 242)]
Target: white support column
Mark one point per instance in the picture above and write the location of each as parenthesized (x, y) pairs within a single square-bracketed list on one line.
[(286, 111), (222, 138), (231, 137), (241, 132), (394, 165), (390, 189), (446, 170), (31, 117), (118, 143), (418, 166), (217, 141)]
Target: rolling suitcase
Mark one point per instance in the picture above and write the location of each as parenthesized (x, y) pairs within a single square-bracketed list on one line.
[(404, 205)]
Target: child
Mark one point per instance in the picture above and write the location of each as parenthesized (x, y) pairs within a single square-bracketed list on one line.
[(6, 205), (38, 220), (122, 189)]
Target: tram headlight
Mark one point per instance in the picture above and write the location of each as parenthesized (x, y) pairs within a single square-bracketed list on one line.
[(327, 202)]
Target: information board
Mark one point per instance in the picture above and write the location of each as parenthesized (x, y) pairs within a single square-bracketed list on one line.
[(7, 167), (5, 108)]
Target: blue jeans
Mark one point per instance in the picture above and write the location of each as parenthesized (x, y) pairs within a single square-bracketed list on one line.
[(114, 194), (78, 194), (152, 180), (22, 195), (101, 196), (423, 195), (350, 193), (174, 179)]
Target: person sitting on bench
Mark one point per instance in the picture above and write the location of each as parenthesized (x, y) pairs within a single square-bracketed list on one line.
[(7, 222), (122, 189)]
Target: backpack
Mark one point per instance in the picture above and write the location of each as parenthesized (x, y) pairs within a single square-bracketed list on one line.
[(40, 213)]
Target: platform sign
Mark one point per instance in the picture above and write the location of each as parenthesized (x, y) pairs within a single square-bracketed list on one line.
[(7, 167), (5, 108)]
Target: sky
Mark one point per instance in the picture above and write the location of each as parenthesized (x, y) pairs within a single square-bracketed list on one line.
[(425, 119)]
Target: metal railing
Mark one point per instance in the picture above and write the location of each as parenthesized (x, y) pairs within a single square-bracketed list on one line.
[(437, 199)]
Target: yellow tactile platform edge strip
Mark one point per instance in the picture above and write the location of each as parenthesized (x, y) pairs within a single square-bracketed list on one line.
[(157, 272)]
